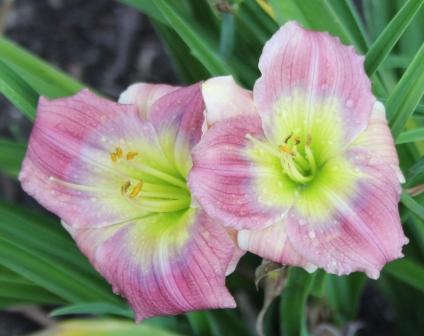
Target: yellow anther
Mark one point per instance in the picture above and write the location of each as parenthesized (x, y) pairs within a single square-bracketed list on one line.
[(113, 157), (125, 187), (285, 149), (308, 140), (119, 152), (136, 190), (131, 155)]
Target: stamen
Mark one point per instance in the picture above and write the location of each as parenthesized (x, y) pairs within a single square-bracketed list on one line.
[(113, 157), (285, 149), (299, 164), (125, 187), (119, 152), (136, 190), (131, 155), (288, 138)]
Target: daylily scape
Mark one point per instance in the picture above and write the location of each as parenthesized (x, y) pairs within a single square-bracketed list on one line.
[(165, 190)]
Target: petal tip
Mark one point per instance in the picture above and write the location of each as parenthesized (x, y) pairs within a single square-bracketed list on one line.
[(243, 239)]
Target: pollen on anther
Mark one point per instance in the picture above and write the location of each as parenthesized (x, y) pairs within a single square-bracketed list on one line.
[(131, 155), (285, 149), (119, 152), (125, 187), (136, 190), (113, 157)]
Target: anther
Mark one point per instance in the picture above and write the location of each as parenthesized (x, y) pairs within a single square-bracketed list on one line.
[(131, 155), (119, 152), (308, 140), (113, 157), (288, 138), (285, 149), (125, 187), (136, 190)]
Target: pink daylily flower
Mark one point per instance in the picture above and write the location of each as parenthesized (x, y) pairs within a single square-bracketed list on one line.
[(115, 173), (309, 175)]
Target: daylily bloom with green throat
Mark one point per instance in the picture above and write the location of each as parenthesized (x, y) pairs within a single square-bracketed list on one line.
[(116, 176), (310, 176)]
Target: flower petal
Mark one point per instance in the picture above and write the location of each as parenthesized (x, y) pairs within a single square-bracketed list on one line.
[(178, 118), (68, 166), (224, 99), (321, 71), (353, 224), (235, 179), (271, 243), (378, 139), (144, 95), (237, 251), (165, 264)]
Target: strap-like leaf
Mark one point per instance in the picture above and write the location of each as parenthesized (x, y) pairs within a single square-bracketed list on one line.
[(202, 47), (293, 300), (407, 271), (407, 94), (41, 76), (11, 156), (411, 136), (17, 91), (413, 205), (95, 308), (391, 34)]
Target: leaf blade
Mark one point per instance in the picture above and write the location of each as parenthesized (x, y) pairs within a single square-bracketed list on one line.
[(391, 34)]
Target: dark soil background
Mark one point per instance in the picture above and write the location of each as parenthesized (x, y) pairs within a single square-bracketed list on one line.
[(108, 46)]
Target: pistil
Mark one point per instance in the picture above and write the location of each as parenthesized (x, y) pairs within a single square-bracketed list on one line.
[(299, 167)]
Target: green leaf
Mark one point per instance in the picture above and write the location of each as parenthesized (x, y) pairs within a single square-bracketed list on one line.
[(391, 34), (41, 272), (226, 322), (17, 91), (147, 7), (407, 271), (95, 308), (407, 94), (48, 260), (293, 301), (26, 229), (201, 45), (335, 16), (343, 294), (412, 205), (199, 323), (41, 76), (411, 136), (27, 293), (189, 69), (416, 170), (11, 156)]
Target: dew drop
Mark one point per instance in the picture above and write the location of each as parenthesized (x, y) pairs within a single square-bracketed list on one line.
[(349, 103), (311, 234)]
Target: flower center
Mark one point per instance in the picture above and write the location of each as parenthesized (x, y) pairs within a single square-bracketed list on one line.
[(153, 189), (297, 159)]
